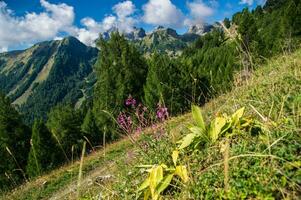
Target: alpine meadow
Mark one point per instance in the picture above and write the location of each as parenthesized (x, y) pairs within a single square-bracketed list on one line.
[(162, 99)]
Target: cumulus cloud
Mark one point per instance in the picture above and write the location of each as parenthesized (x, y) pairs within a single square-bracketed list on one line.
[(124, 9), (198, 11), (121, 19), (58, 19), (162, 12), (33, 26)]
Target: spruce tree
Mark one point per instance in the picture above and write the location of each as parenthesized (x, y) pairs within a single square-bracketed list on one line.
[(42, 155), (162, 84), (121, 71), (90, 129), (14, 145), (64, 124)]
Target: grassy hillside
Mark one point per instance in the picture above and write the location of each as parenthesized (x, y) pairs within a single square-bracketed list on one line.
[(263, 164)]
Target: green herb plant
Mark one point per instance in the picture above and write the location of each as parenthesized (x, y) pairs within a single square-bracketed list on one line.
[(160, 177), (220, 126)]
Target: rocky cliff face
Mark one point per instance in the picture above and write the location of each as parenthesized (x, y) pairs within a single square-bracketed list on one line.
[(200, 29)]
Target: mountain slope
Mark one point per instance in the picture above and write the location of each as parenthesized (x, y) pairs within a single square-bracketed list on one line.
[(165, 40), (52, 72), (264, 165), (46, 74)]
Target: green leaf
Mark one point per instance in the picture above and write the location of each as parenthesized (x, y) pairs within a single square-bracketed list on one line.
[(175, 155), (237, 116), (181, 171), (165, 183), (216, 127), (147, 194), (144, 185), (187, 140), (155, 177), (198, 117), (199, 132)]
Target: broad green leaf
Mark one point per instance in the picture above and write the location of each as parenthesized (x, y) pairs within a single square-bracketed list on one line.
[(181, 171), (165, 183), (226, 127), (198, 117), (237, 116), (175, 155), (216, 127), (246, 123), (164, 166), (199, 132), (187, 140), (147, 194), (144, 185), (155, 196), (156, 176)]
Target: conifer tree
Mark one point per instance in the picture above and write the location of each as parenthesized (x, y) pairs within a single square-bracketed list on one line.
[(14, 144), (121, 71), (64, 124), (90, 129), (43, 151), (162, 84)]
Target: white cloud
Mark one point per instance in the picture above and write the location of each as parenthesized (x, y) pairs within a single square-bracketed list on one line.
[(249, 2), (123, 20), (33, 26), (162, 12), (3, 49), (58, 19), (124, 9), (198, 11), (109, 22)]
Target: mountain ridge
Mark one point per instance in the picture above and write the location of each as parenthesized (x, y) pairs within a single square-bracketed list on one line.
[(64, 68), (48, 73), (26, 75)]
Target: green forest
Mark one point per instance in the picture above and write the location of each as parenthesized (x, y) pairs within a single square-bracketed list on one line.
[(132, 89)]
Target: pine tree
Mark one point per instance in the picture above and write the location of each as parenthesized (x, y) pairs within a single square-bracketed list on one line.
[(162, 84), (64, 124), (14, 144), (121, 71), (227, 22), (90, 129), (43, 151)]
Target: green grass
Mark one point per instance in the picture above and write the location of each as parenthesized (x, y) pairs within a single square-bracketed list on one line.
[(58, 181), (262, 164)]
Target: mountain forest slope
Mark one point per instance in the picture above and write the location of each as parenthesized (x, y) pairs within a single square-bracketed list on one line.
[(47, 73), (262, 164), (60, 72)]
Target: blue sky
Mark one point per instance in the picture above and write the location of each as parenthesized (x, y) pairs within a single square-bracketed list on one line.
[(25, 22)]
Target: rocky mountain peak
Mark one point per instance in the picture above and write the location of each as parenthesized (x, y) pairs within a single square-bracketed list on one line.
[(136, 34), (200, 29)]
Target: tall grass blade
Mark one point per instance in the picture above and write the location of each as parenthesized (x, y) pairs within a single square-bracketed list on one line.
[(80, 173)]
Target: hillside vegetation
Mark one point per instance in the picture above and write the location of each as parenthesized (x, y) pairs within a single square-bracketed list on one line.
[(74, 111), (263, 163), (46, 74)]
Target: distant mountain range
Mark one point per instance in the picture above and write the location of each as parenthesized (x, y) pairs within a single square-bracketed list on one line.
[(164, 40), (52, 72)]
